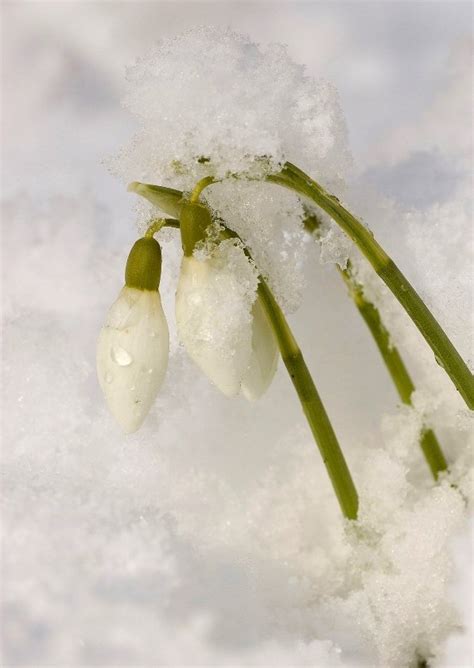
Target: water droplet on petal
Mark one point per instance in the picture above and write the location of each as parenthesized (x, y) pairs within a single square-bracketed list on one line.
[(108, 378), (150, 370), (120, 356)]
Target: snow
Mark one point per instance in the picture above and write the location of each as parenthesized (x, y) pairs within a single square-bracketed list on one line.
[(212, 102), (212, 536)]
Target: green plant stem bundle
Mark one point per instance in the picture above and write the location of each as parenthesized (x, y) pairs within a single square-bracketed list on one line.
[(445, 353), (291, 177), (429, 443)]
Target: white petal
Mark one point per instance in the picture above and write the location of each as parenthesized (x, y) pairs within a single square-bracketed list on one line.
[(264, 359), (132, 355), (213, 322)]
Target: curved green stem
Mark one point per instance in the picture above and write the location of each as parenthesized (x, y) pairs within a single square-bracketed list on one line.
[(312, 405), (171, 222), (199, 187), (154, 227), (445, 353)]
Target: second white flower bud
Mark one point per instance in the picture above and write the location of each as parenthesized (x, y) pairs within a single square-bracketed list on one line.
[(227, 336)]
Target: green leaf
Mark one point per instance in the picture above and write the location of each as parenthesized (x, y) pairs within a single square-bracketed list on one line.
[(167, 200)]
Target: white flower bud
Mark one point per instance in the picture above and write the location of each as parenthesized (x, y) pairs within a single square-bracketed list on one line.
[(215, 352), (237, 353), (132, 355), (265, 353), (133, 346)]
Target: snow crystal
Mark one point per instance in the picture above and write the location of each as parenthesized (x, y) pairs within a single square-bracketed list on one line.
[(262, 219), (210, 101)]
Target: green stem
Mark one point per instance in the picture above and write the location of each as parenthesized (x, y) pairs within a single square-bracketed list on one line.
[(172, 222), (433, 452), (396, 368), (199, 187), (445, 353), (154, 227), (312, 405), (389, 353)]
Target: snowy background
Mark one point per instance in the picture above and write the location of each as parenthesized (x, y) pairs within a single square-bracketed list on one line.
[(212, 536)]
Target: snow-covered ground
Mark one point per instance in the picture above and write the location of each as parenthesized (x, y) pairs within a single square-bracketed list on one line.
[(212, 536)]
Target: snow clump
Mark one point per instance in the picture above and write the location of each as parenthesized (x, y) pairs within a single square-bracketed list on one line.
[(211, 102)]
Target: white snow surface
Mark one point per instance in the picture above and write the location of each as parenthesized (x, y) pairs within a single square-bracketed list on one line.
[(212, 536), (211, 94), (212, 102)]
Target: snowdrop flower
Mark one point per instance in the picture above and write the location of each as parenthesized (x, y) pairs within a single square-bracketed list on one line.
[(264, 358), (208, 347), (230, 340), (133, 346)]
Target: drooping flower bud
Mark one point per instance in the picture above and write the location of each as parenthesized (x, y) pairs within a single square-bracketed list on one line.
[(217, 353), (264, 358), (233, 369), (227, 337), (133, 346)]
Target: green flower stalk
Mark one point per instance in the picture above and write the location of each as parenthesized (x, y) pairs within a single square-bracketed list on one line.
[(312, 405)]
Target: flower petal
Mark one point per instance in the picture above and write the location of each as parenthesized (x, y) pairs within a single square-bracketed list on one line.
[(213, 321), (264, 359)]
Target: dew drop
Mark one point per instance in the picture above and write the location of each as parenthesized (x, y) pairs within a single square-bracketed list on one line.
[(120, 356), (108, 378)]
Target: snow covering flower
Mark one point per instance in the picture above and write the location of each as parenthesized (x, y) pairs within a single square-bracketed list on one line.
[(233, 346), (220, 320), (264, 357), (133, 346), (191, 123)]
